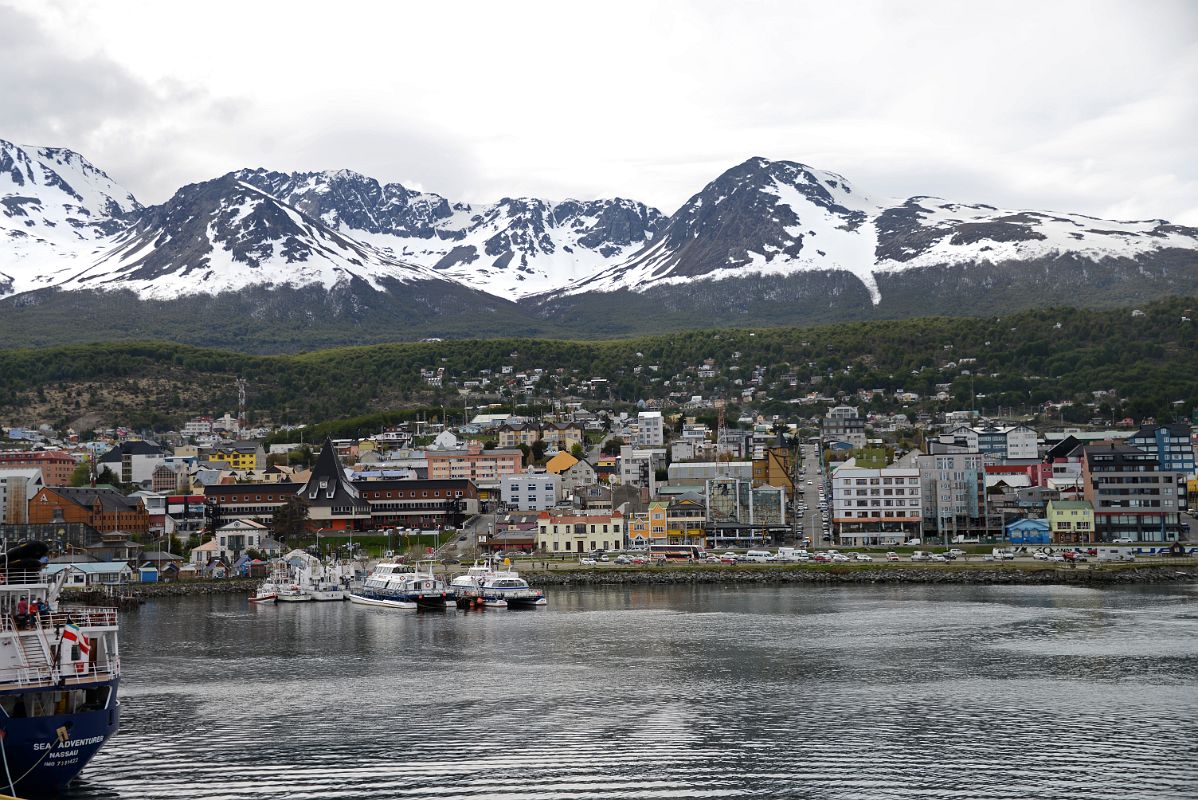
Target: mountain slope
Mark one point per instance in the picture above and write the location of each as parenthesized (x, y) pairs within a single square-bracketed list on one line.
[(512, 248), (225, 235), (54, 205), (782, 219)]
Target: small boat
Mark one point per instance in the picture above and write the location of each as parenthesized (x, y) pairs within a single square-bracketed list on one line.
[(484, 585), (394, 585), (293, 593), (267, 593)]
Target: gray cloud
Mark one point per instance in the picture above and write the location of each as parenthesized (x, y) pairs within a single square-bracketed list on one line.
[(1078, 106)]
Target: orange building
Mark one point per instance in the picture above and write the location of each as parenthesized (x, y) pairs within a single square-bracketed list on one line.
[(102, 509)]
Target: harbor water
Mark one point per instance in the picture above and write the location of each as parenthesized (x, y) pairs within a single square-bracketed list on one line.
[(662, 692)]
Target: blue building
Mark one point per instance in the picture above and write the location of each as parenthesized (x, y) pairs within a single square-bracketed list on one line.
[(1029, 531), (1169, 443)]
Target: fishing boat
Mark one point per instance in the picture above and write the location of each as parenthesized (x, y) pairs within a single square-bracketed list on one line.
[(266, 593), (395, 585), (490, 587), (59, 674)]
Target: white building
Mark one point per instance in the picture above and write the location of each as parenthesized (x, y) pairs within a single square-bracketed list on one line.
[(530, 491), (197, 426), (238, 536), (876, 506), (649, 430), (17, 485), (1013, 443), (133, 461)]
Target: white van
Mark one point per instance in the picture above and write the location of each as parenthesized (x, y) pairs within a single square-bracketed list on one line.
[(791, 554), (759, 556)]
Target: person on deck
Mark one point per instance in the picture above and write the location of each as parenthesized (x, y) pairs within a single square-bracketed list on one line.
[(22, 612)]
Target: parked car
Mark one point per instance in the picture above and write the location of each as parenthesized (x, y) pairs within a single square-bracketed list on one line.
[(938, 557), (1040, 555), (1056, 557), (920, 555), (639, 560), (862, 557), (893, 556), (1074, 555), (1123, 540), (623, 560), (822, 558), (587, 562), (956, 552), (840, 557), (604, 559), (728, 558)]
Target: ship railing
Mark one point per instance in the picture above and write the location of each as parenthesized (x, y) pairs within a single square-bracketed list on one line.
[(23, 578), (83, 617)]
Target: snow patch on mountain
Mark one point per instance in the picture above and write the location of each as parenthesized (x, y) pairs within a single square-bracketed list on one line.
[(55, 207)]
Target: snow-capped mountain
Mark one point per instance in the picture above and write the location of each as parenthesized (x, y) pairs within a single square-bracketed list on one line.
[(767, 242), (225, 235), (513, 248), (54, 205), (771, 219)]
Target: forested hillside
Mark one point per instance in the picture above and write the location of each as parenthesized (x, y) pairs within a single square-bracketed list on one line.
[(1147, 357)]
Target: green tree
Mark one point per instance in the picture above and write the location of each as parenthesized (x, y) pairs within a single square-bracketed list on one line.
[(577, 451), (612, 446), (82, 475), (290, 518)]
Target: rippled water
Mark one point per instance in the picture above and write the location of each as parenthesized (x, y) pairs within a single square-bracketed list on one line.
[(846, 692)]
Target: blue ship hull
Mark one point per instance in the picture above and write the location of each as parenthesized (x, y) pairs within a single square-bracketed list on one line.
[(39, 762)]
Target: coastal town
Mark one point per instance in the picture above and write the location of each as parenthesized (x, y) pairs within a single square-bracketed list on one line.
[(581, 479)]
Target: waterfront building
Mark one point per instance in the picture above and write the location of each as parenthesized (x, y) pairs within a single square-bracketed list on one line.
[(952, 493), (102, 509), (876, 506), (1070, 521), (649, 527), (1131, 496), (579, 533)]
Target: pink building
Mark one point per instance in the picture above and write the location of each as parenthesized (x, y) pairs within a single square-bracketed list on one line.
[(485, 467)]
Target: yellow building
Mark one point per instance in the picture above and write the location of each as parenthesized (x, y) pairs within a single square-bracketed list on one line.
[(649, 527), (1070, 521), (775, 469), (239, 458)]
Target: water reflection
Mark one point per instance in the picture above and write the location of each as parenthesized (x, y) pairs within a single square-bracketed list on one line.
[(722, 691)]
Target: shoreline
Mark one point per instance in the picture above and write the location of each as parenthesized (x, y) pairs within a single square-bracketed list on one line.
[(979, 575)]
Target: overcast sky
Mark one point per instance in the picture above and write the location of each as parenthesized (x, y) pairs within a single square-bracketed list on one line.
[(1072, 106)]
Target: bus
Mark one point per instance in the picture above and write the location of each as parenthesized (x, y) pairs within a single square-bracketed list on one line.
[(676, 552)]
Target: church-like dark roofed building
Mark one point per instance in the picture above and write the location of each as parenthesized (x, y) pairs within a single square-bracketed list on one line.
[(333, 501)]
